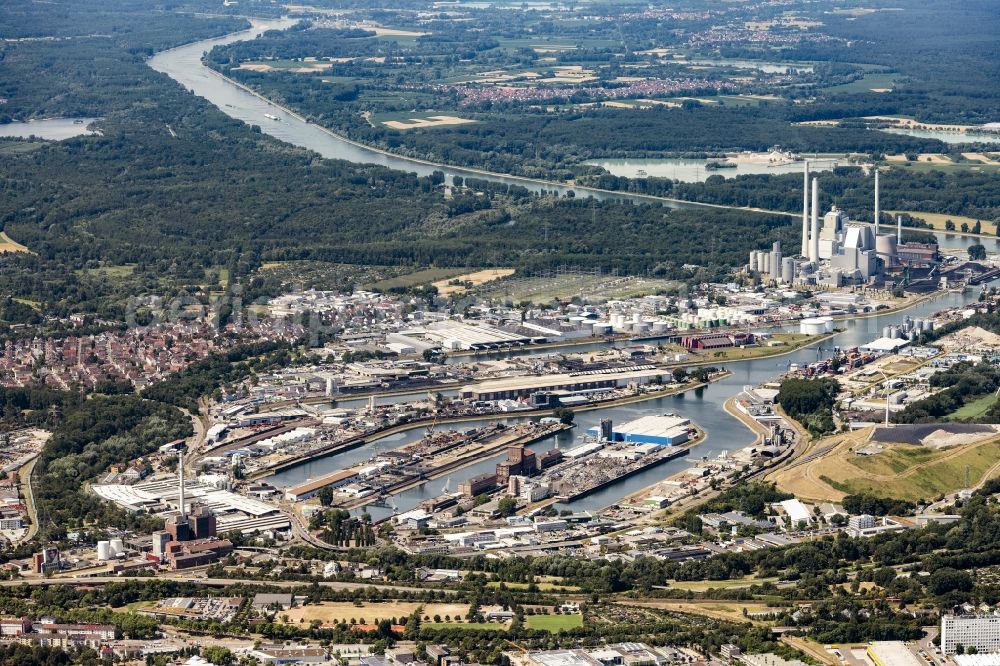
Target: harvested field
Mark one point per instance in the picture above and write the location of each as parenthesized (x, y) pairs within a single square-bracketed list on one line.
[(476, 279), (330, 612), (430, 121)]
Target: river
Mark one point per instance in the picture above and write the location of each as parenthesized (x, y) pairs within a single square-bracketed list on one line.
[(183, 64), (703, 406)]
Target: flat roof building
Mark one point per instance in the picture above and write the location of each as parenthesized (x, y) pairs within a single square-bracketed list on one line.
[(510, 388), (979, 631)]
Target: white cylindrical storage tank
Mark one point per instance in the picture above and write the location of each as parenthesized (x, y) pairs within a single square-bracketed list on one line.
[(659, 327), (600, 328), (886, 331), (636, 317), (813, 326), (103, 550), (766, 268), (640, 327), (117, 547), (788, 269)]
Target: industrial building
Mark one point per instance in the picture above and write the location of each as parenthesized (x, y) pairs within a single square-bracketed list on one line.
[(511, 388), (453, 335), (979, 631), (230, 511), (309, 489), (665, 430)]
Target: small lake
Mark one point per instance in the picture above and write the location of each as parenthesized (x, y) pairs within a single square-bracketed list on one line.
[(947, 137), (54, 129), (694, 171)]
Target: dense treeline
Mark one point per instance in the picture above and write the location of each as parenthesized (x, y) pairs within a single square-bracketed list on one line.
[(137, 26), (88, 439), (957, 385), (810, 402)]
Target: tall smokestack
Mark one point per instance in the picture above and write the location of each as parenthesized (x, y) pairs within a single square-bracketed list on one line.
[(814, 234), (899, 230), (180, 474), (877, 211), (805, 210)]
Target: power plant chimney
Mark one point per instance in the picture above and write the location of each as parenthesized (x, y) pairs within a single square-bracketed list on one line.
[(805, 210), (899, 230), (180, 468), (814, 233), (877, 211)]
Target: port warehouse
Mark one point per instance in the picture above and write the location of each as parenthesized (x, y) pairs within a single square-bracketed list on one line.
[(512, 388), (664, 430)]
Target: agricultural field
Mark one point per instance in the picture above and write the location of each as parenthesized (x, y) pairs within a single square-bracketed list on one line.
[(425, 276), (418, 120), (554, 623), (720, 610), (902, 471), (330, 612), (937, 220), (542, 585), (470, 280), (590, 288)]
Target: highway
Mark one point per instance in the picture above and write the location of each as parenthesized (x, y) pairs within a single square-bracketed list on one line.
[(180, 577)]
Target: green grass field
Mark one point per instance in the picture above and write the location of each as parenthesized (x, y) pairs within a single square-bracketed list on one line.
[(974, 409), (483, 626), (915, 473), (876, 80), (553, 622)]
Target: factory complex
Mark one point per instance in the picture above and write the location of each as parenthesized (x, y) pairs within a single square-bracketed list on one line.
[(232, 512), (841, 252)]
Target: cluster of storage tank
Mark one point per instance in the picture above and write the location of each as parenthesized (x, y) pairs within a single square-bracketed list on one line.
[(634, 323), (774, 264), (909, 329), (109, 550)]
